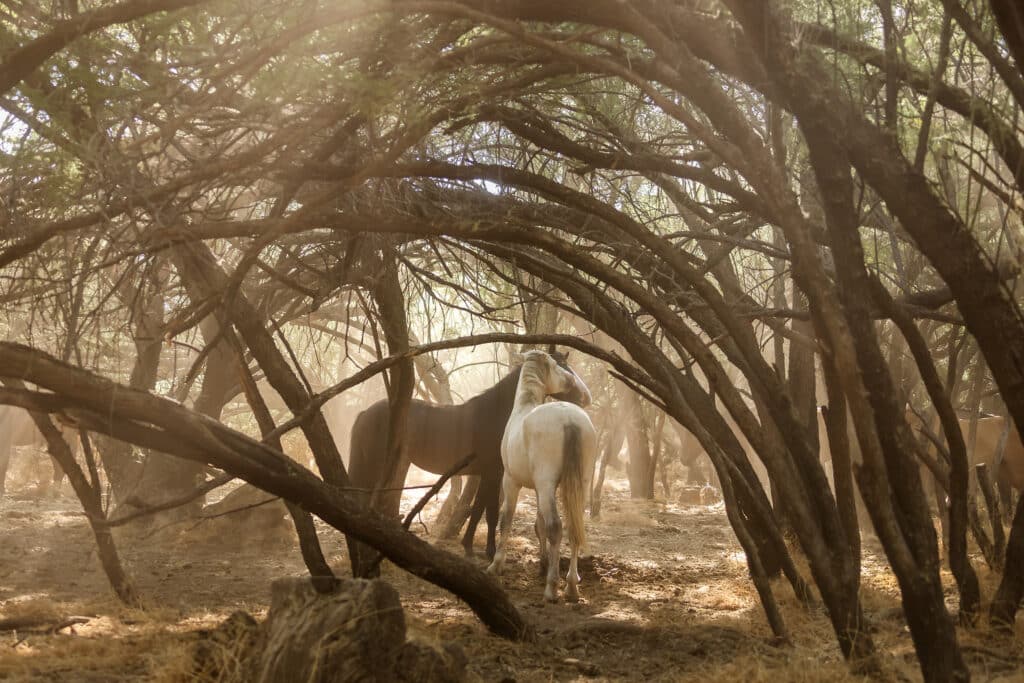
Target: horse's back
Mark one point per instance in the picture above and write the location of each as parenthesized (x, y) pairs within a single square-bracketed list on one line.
[(436, 438)]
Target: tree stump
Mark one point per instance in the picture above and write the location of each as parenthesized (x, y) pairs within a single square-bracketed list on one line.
[(356, 633)]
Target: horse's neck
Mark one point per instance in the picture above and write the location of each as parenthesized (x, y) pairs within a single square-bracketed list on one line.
[(499, 398), (529, 393)]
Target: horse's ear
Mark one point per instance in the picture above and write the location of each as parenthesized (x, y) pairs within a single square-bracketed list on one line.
[(551, 349)]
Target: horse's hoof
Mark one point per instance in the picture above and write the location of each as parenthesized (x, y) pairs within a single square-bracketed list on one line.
[(493, 570), (468, 553), (572, 596), (550, 597)]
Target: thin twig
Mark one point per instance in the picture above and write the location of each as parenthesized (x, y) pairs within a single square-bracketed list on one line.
[(452, 471), (438, 485), (176, 502)]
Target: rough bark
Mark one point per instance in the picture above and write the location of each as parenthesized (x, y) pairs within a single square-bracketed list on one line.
[(387, 293), (966, 579), (900, 512), (1008, 596), (639, 467), (357, 632)]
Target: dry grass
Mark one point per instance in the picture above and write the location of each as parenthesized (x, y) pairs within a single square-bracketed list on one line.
[(666, 597), (99, 654)]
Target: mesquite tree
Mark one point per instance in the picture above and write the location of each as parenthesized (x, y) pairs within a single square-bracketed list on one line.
[(725, 191)]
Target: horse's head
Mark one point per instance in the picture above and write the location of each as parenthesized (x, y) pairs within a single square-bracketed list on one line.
[(560, 381), (578, 393)]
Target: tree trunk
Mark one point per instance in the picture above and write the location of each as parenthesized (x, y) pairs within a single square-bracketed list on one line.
[(122, 469), (387, 293), (204, 279), (1011, 587), (900, 513), (639, 468), (967, 581), (612, 446)]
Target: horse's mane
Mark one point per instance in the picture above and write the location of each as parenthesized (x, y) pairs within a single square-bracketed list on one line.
[(506, 384), (530, 374)]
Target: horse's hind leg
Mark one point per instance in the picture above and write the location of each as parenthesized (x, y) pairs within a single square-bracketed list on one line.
[(492, 502), (572, 579), (474, 520), (542, 542), (508, 511), (486, 499), (548, 509)]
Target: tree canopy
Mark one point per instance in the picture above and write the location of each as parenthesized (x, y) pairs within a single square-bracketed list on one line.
[(712, 195)]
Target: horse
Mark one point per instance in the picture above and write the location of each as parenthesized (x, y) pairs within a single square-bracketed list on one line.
[(437, 438), (1007, 472), (547, 446), (18, 429)]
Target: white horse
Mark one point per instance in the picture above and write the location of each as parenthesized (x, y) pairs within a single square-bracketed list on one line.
[(547, 446)]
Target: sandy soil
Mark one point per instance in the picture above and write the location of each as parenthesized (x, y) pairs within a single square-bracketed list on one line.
[(665, 598)]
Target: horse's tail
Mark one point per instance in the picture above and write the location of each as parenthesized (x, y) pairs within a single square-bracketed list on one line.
[(574, 486)]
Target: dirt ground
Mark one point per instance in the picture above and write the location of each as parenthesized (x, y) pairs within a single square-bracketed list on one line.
[(665, 598)]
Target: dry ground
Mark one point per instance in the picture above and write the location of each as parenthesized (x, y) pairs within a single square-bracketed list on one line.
[(666, 598)]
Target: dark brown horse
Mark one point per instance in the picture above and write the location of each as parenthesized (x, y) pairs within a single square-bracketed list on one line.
[(437, 438)]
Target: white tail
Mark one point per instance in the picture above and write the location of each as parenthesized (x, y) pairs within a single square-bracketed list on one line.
[(574, 485)]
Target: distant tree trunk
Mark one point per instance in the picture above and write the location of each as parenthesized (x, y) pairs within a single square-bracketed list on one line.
[(205, 279), (539, 315), (657, 450), (164, 477), (612, 445), (122, 469), (640, 462)]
